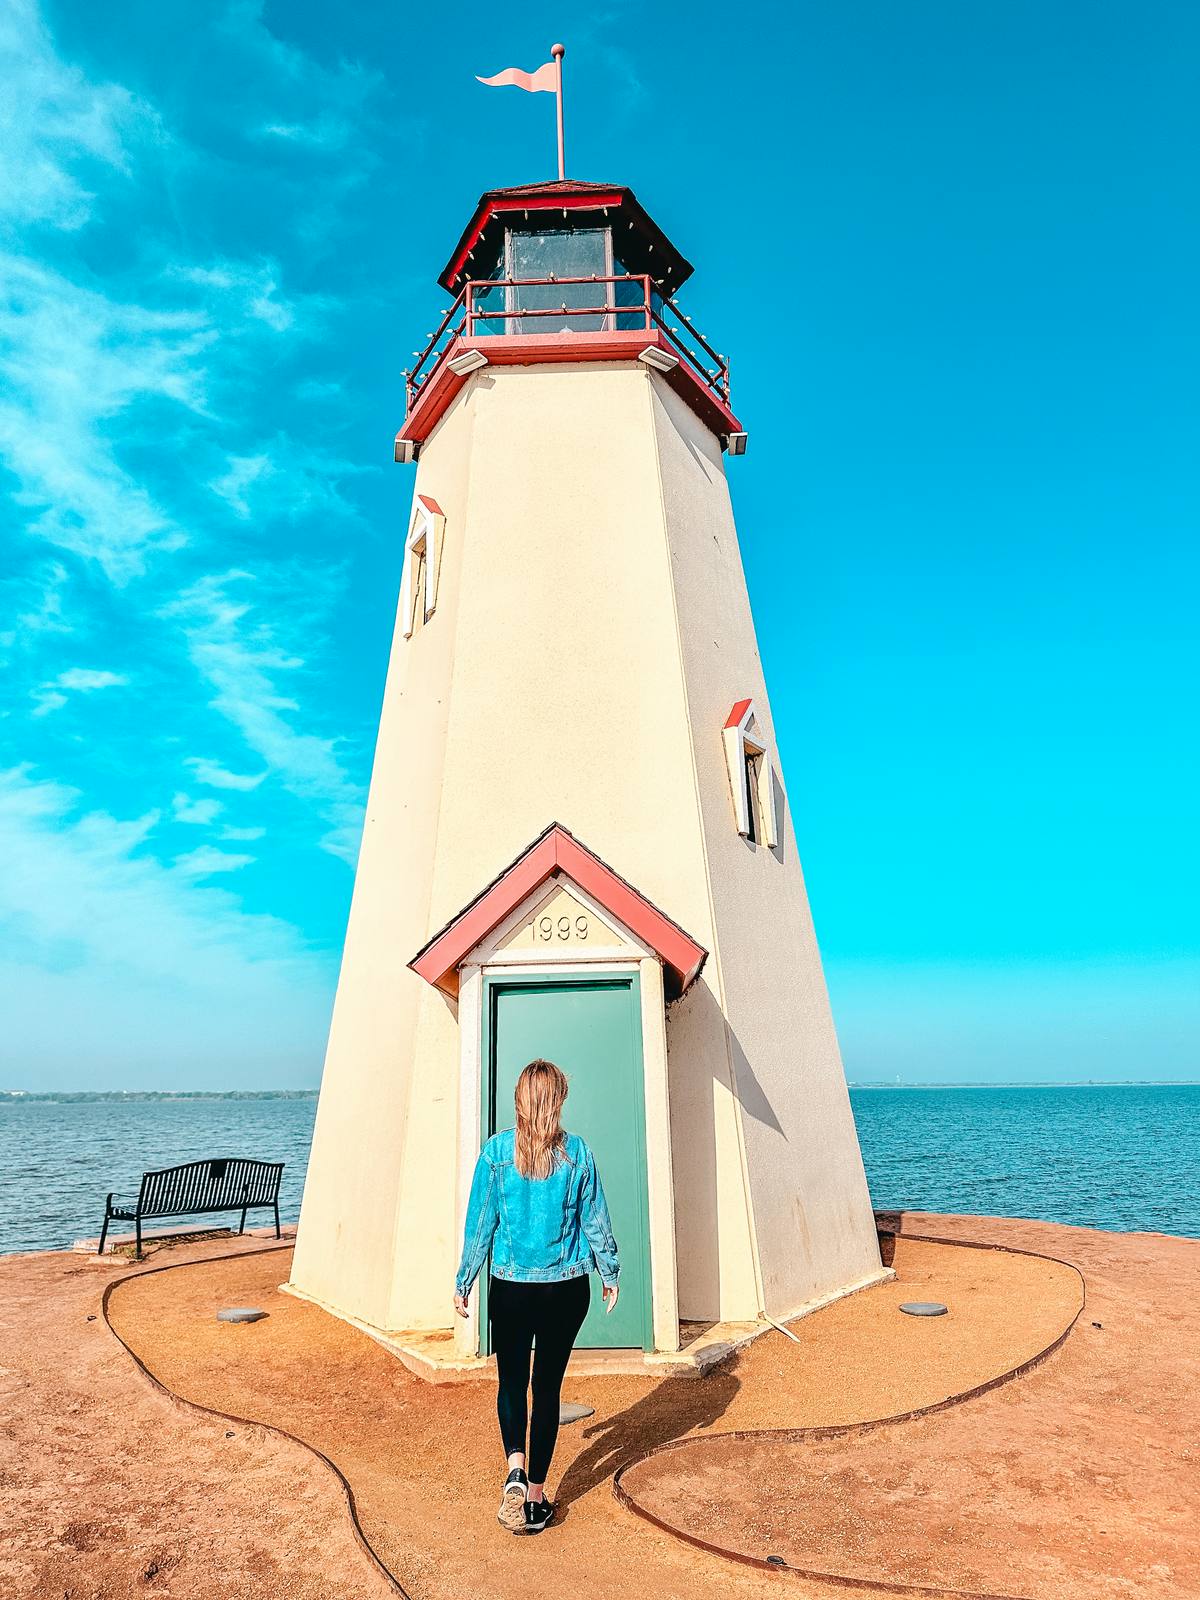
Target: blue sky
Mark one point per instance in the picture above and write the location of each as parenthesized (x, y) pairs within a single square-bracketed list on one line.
[(952, 252)]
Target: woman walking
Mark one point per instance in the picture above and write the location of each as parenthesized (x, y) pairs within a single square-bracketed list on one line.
[(537, 1203)]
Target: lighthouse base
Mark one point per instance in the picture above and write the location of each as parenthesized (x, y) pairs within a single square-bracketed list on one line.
[(434, 1355)]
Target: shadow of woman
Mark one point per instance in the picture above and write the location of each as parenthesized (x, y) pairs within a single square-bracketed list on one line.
[(670, 1411)]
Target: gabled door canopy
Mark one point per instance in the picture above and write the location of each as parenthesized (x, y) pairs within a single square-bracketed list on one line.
[(557, 850)]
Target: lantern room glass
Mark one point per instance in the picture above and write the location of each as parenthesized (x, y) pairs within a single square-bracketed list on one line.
[(558, 253), (522, 289)]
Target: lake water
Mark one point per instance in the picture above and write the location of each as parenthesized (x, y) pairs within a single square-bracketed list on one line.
[(1125, 1157), (59, 1159)]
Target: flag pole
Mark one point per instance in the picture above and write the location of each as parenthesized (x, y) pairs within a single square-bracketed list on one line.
[(558, 51)]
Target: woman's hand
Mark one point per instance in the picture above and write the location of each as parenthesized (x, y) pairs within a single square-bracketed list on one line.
[(460, 1303), (611, 1291)]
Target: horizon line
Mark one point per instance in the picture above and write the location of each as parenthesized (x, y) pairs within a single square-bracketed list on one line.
[(870, 1083)]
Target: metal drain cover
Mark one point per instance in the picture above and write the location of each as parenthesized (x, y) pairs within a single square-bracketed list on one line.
[(240, 1314), (924, 1308), (570, 1411)]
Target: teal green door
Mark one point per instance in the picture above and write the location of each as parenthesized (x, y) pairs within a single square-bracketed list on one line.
[(593, 1030)]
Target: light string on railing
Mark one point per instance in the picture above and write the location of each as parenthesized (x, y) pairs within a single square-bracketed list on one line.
[(473, 290)]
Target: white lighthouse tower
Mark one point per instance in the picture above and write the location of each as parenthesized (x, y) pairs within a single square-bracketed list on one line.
[(578, 842)]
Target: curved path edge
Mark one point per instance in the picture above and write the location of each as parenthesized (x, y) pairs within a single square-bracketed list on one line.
[(183, 1403), (843, 1429)]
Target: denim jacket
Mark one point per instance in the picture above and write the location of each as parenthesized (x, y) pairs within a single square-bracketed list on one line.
[(539, 1230)]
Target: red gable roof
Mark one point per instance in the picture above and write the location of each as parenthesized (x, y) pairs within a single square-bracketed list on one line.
[(556, 850)]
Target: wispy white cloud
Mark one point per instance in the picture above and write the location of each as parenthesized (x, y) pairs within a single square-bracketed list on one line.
[(81, 882), (38, 600), (319, 390), (83, 369), (71, 357), (233, 484), (90, 678), (241, 290), (303, 100), (46, 701), (77, 680), (197, 812), (208, 861), (108, 959), (63, 124), (139, 442), (256, 486), (240, 655), (324, 133), (215, 776), (80, 369), (73, 360)]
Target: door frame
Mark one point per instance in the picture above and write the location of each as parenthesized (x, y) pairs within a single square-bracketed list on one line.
[(495, 983), (616, 951)]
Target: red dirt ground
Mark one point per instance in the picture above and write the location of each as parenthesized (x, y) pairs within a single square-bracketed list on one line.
[(1080, 1480), (425, 1462), (108, 1489), (1072, 1480)]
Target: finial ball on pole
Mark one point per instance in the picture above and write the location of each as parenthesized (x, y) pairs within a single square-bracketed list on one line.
[(558, 49)]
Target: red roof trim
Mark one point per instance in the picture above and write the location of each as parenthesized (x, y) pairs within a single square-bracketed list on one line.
[(570, 195), (570, 199), (739, 711), (431, 504), (559, 850), (535, 349)]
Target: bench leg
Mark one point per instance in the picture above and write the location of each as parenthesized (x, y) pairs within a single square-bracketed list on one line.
[(137, 1228), (278, 1235), (242, 1224), (103, 1235)]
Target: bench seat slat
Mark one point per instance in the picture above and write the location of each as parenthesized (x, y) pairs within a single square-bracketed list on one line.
[(219, 1185)]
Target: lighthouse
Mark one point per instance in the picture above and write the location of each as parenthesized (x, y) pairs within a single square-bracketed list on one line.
[(578, 842)]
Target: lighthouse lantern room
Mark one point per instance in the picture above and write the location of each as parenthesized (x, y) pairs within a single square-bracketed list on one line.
[(577, 842), (563, 272)]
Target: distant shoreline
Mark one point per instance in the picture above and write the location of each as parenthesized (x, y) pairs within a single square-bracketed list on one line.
[(89, 1096), (97, 1096), (1048, 1083)]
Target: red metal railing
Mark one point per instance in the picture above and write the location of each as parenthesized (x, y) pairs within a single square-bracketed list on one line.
[(472, 318)]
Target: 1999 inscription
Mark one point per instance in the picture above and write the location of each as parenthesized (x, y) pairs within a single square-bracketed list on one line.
[(559, 930)]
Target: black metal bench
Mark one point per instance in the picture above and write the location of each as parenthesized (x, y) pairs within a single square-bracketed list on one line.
[(197, 1188)]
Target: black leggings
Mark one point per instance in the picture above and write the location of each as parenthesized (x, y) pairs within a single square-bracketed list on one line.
[(520, 1313)]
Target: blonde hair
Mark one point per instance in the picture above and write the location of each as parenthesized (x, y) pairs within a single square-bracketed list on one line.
[(541, 1090)]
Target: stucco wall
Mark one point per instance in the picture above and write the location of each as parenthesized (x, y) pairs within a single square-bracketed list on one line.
[(347, 1240), (811, 1211)]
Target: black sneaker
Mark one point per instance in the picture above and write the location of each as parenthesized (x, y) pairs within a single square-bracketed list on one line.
[(539, 1514), (511, 1514)]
